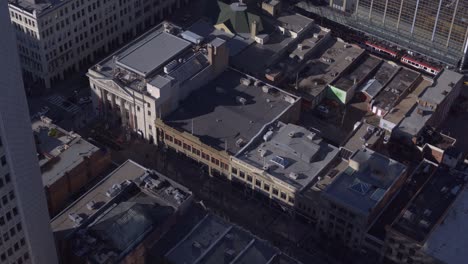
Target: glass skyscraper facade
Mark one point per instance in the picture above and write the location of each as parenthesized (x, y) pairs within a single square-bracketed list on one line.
[(436, 28)]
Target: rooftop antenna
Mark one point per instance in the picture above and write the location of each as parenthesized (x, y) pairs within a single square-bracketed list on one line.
[(225, 145), (192, 126)]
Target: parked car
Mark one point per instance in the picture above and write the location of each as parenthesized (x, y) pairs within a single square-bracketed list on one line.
[(386, 139), (84, 100), (323, 109), (44, 110)]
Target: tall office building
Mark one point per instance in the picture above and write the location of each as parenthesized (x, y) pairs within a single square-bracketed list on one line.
[(56, 38), (436, 28), (25, 234)]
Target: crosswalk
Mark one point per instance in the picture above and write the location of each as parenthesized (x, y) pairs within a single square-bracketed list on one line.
[(58, 101)]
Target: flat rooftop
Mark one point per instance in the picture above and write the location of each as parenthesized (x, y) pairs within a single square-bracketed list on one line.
[(293, 154), (418, 178), (435, 94), (264, 55), (226, 114), (59, 151), (401, 110), (353, 76), (448, 242), (214, 241), (143, 60), (384, 73), (129, 173), (40, 7), (429, 205), (442, 86), (328, 66), (388, 97), (361, 136), (362, 189), (151, 53)]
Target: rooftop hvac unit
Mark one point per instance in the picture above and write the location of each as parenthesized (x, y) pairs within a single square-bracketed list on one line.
[(239, 142), (268, 135), (196, 244), (427, 213), (263, 152), (424, 224), (242, 100), (91, 205), (408, 215), (265, 89), (229, 253), (75, 218), (293, 175), (245, 81), (114, 190), (311, 136)]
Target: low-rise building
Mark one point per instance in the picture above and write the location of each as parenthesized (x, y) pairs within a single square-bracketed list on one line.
[(357, 195), (430, 228), (218, 120), (56, 38), (214, 241), (148, 78), (283, 161), (68, 163), (432, 106), (324, 68), (402, 83), (344, 88), (121, 217)]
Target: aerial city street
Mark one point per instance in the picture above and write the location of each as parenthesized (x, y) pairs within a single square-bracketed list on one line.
[(234, 132)]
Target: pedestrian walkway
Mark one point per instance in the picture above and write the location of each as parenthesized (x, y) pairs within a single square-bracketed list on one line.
[(59, 100)]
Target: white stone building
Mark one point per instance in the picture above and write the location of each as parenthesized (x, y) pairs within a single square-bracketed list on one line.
[(57, 37), (148, 78)]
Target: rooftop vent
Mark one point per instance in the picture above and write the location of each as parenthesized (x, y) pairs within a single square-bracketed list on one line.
[(280, 161), (245, 81), (293, 175), (242, 100), (114, 190), (292, 134), (75, 218), (408, 215), (424, 224), (268, 135), (427, 213), (91, 205)]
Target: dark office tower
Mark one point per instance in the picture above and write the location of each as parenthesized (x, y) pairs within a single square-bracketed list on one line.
[(25, 235)]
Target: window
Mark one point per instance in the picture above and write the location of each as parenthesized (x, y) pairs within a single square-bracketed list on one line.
[(275, 191), (149, 112), (150, 127), (7, 178), (249, 178), (138, 108), (3, 160), (290, 199), (266, 187), (258, 183), (283, 195), (241, 174), (234, 171)]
